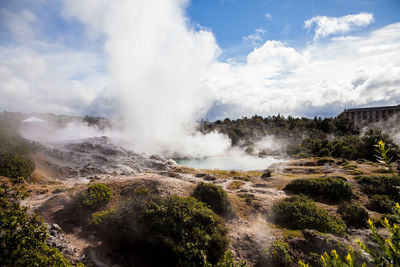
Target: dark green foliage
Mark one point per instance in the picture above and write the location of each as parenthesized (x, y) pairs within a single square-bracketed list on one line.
[(15, 166), (278, 254), (380, 203), (23, 236), (247, 130), (328, 188), (370, 139), (11, 141), (14, 150), (215, 197), (169, 231), (300, 212), (229, 261), (354, 215), (94, 196), (380, 185)]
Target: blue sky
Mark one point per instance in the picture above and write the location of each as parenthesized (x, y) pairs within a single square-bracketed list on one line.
[(230, 20), (62, 56)]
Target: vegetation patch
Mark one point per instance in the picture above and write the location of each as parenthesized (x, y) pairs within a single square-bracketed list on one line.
[(328, 188), (94, 196), (22, 235), (278, 254), (235, 185), (380, 203), (14, 150), (15, 166), (300, 212), (354, 215), (180, 231), (215, 197), (380, 185)]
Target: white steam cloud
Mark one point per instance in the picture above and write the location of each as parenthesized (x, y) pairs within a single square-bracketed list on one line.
[(158, 64)]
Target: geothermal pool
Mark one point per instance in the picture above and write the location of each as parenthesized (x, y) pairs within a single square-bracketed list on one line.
[(245, 163)]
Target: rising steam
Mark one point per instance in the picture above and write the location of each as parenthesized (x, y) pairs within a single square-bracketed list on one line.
[(157, 61)]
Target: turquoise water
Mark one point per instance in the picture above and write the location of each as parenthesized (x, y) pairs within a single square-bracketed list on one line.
[(245, 163)]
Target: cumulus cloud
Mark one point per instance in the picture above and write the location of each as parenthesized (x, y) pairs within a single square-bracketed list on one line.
[(320, 78), (325, 26), (268, 16), (31, 81)]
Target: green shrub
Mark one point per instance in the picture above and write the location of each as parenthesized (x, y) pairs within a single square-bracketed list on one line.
[(23, 236), (300, 212), (229, 261), (329, 188), (279, 255), (94, 196), (380, 203), (380, 185), (165, 231), (99, 217), (354, 215), (215, 197), (14, 166)]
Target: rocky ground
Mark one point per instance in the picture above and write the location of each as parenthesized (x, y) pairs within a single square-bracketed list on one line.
[(63, 170)]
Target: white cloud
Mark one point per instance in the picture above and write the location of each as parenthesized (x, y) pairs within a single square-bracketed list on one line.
[(20, 25), (268, 16), (255, 38), (31, 81), (280, 79), (326, 26)]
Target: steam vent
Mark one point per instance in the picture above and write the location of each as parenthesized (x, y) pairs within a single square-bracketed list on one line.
[(363, 116)]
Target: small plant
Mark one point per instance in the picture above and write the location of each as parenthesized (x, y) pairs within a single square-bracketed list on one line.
[(300, 212), (383, 155), (354, 215), (215, 197), (279, 255), (94, 196)]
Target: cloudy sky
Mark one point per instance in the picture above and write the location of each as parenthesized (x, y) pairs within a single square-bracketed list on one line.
[(198, 59)]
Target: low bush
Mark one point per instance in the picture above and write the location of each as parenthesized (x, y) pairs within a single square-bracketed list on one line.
[(235, 185), (180, 231), (380, 203), (215, 197), (278, 254), (354, 215), (380, 185), (22, 235), (300, 212), (14, 166), (329, 188), (94, 196)]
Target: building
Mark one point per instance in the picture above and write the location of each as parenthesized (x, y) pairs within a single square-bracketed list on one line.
[(33, 121), (364, 116)]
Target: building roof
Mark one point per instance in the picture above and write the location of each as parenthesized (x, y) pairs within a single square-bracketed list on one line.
[(34, 119), (375, 108)]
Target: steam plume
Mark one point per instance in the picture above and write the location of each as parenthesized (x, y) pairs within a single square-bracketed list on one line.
[(158, 64)]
